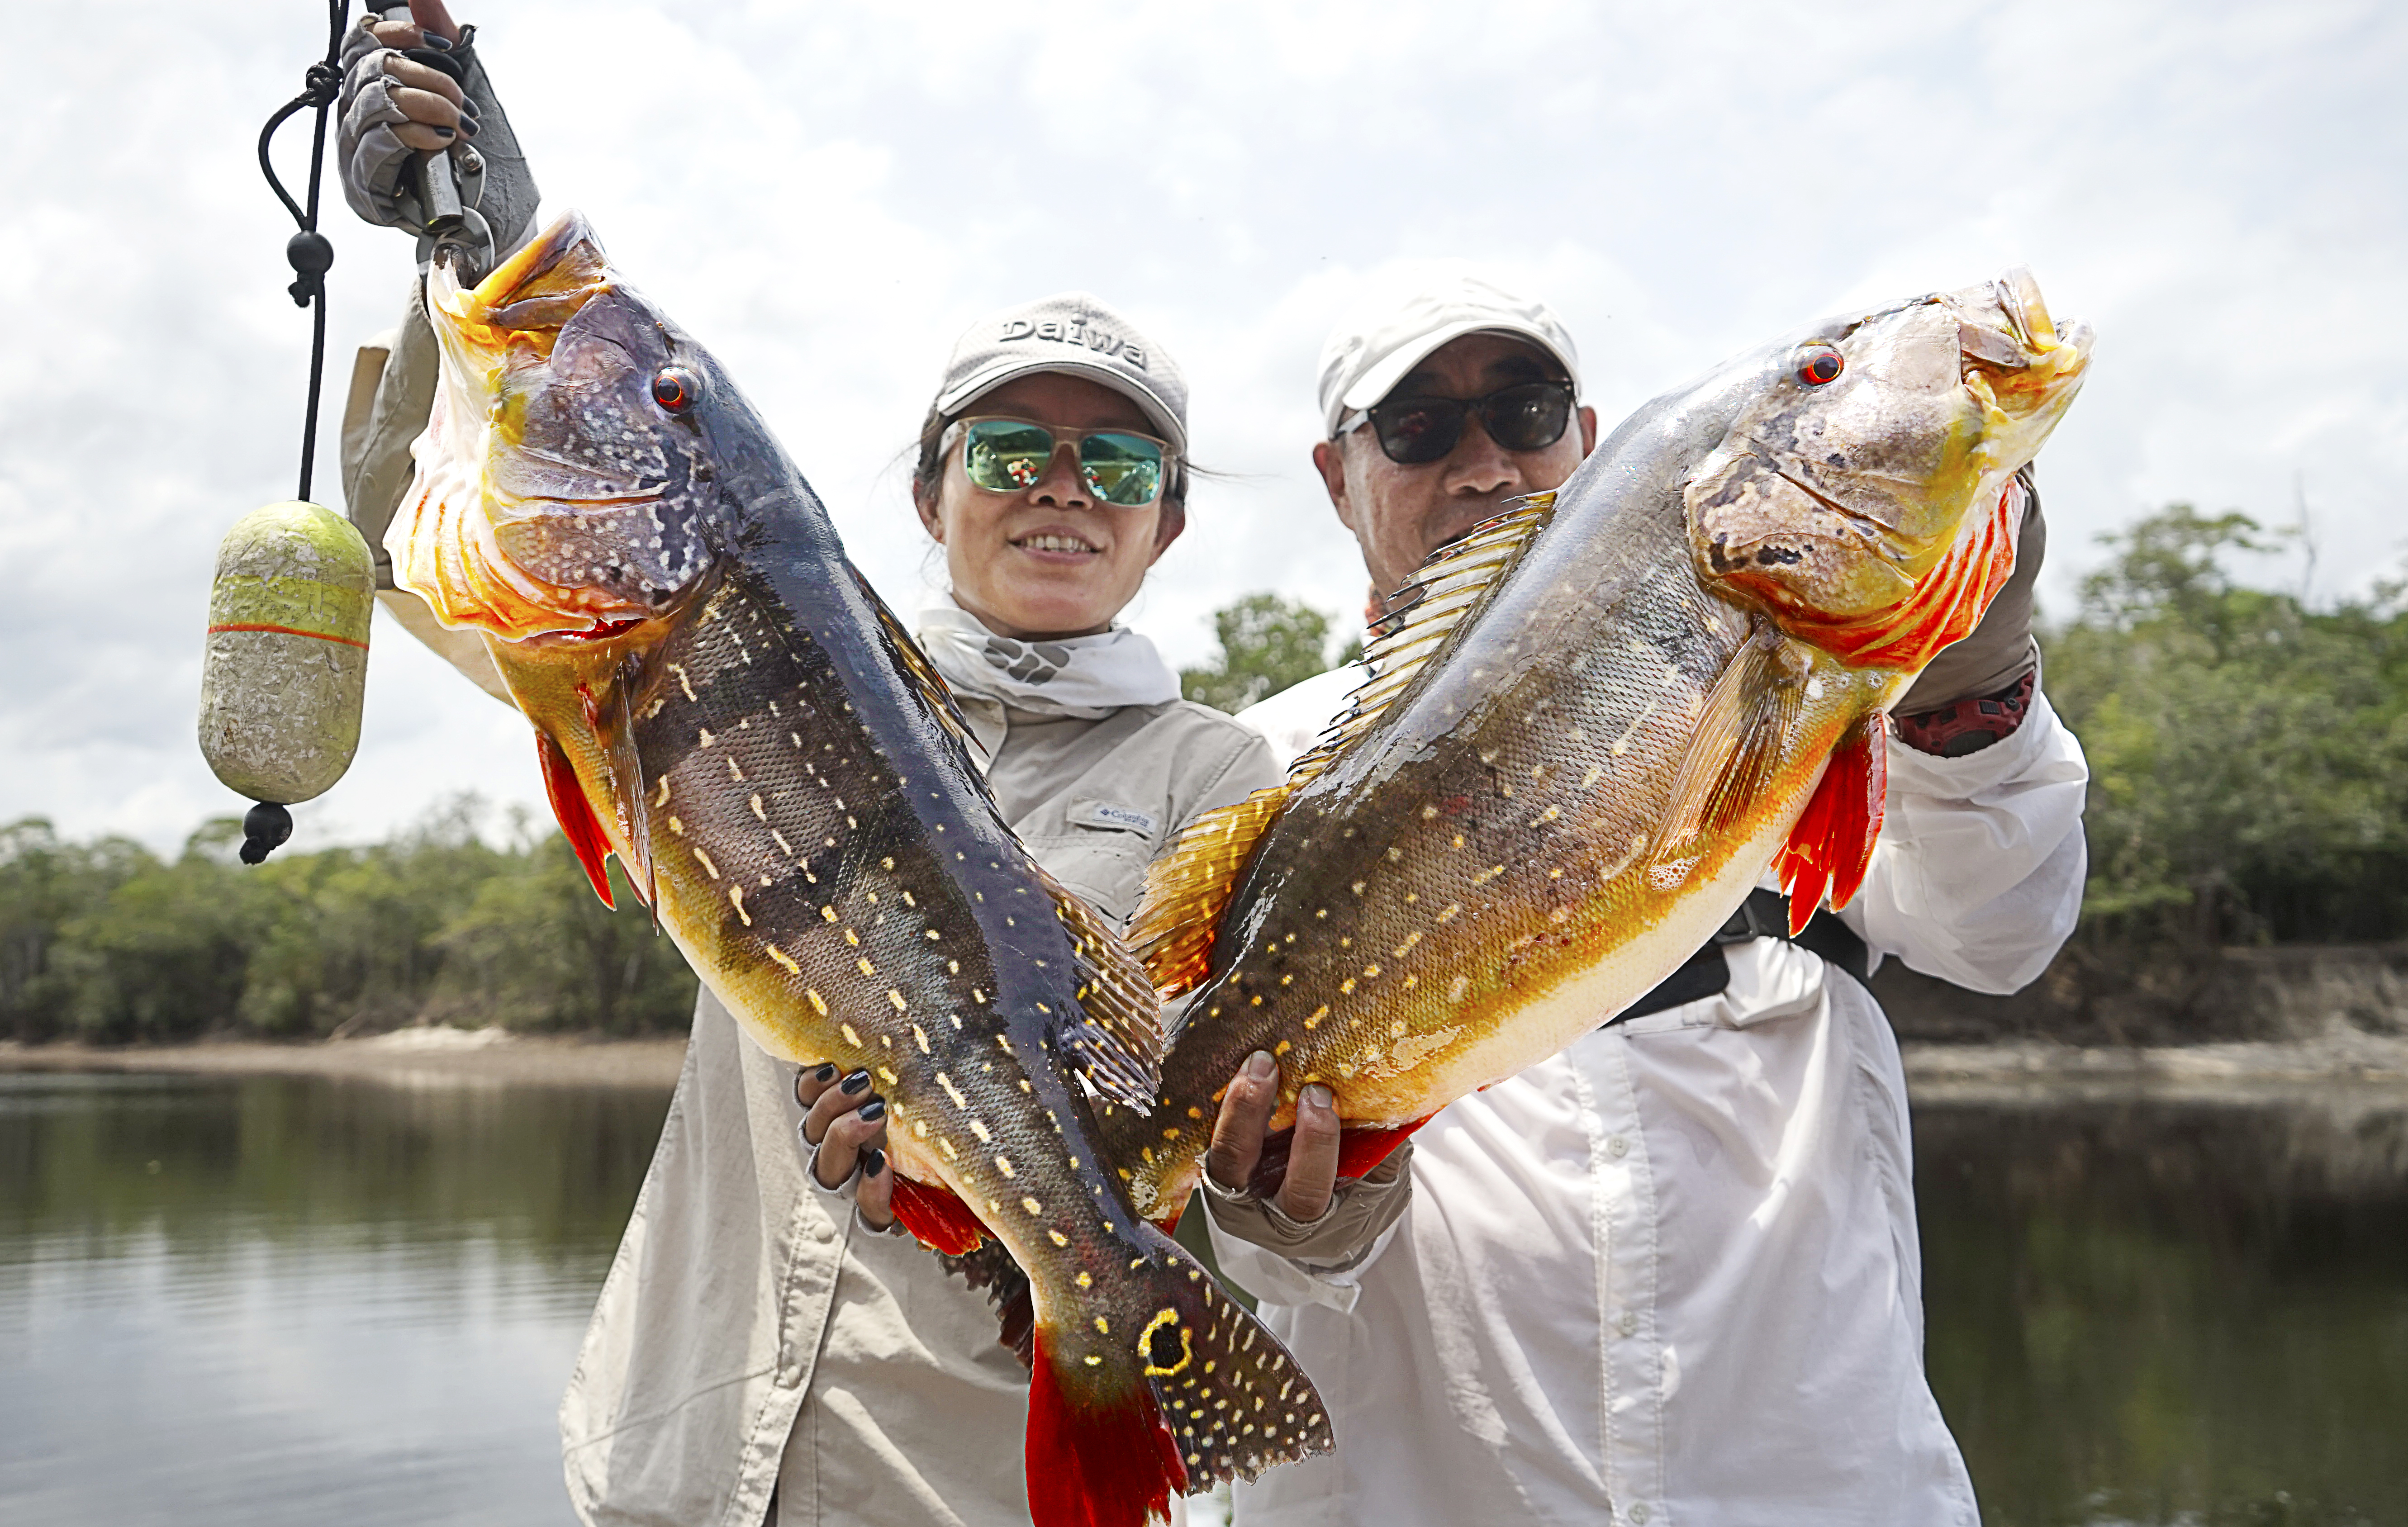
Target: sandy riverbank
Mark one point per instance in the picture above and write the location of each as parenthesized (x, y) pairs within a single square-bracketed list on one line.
[(1936, 1073), (406, 1057)]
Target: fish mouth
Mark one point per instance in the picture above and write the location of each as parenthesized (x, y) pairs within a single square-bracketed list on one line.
[(454, 541), (2014, 353)]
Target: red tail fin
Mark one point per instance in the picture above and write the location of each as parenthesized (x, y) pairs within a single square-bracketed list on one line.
[(1097, 1458), (575, 816), (940, 1220), (1834, 840)]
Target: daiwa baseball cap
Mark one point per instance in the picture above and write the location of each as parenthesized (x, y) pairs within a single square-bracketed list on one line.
[(1401, 318), (1072, 332)]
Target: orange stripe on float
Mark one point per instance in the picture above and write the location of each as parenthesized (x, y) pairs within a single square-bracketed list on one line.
[(291, 630)]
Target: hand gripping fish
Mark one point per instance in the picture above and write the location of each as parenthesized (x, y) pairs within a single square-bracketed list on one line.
[(1604, 713), (720, 700)]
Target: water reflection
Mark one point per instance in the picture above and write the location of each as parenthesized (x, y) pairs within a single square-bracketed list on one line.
[(2173, 1313), (284, 1300)]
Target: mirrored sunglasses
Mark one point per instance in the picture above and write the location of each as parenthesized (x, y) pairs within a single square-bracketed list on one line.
[(1120, 467)]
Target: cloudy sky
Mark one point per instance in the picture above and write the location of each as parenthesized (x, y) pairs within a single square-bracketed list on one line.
[(825, 195)]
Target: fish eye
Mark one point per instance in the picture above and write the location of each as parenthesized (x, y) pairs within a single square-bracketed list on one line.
[(1818, 364), (676, 388)]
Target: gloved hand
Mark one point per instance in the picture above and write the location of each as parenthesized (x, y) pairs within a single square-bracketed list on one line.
[(1995, 657), (1311, 1215), (394, 107)]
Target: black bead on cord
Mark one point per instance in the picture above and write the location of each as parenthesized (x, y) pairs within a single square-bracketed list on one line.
[(269, 824), (308, 252)]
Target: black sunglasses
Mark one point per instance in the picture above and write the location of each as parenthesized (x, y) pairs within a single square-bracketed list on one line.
[(1527, 416)]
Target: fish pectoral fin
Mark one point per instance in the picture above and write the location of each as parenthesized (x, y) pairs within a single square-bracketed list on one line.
[(1115, 1038), (937, 1217), (1737, 749), (1187, 890), (575, 814), (1834, 841)]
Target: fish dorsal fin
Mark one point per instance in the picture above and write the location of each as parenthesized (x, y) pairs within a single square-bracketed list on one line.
[(1115, 1038), (1187, 889), (1738, 743), (915, 667), (1444, 598)]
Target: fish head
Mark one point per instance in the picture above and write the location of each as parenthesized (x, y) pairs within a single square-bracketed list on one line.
[(569, 478), (1856, 493)]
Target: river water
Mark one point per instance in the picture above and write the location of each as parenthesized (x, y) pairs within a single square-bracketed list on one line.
[(278, 1299)]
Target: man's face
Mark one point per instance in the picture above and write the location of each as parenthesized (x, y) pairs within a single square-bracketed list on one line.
[(1401, 514)]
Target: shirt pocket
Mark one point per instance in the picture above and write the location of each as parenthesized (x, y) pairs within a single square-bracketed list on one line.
[(1105, 866)]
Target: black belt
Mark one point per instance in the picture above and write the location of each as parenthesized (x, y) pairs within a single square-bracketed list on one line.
[(1765, 914)]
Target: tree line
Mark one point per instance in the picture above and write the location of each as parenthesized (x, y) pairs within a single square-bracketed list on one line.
[(2248, 749)]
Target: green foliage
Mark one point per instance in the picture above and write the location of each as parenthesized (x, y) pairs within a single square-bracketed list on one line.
[(2249, 754), (107, 942), (1268, 643)]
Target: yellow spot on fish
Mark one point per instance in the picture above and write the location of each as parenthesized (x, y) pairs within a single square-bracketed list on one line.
[(907, 896), (827, 914), (1103, 1327), (704, 734), (1313, 1022), (758, 809), (889, 1077), (735, 899), (850, 1037), (734, 773), (1283, 1048), (947, 1147), (774, 953), (1596, 772), (978, 1127), (933, 933), (661, 796), (867, 968), (1032, 1205), (1457, 988), (1358, 888), (1458, 841), (819, 1003), (1346, 986), (1430, 813), (897, 998), (708, 868), (956, 1093), (917, 1032), (1371, 971), (685, 684), (1085, 1281), (1396, 1030), (852, 938), (1003, 1164)]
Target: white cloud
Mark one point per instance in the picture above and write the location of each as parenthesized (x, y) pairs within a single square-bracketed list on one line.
[(825, 195)]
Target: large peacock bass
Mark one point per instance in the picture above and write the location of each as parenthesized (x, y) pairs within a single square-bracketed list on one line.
[(1600, 717), (720, 701)]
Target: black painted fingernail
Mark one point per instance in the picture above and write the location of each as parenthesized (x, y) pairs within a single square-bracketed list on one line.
[(440, 132), (824, 1072), (856, 1083), (468, 104), (873, 1161), (434, 42), (873, 1110)]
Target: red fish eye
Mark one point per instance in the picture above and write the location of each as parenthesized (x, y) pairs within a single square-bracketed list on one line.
[(1818, 367), (674, 389)]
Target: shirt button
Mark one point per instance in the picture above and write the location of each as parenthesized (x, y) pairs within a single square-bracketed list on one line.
[(1619, 1148), (1638, 1512), (1628, 1324)]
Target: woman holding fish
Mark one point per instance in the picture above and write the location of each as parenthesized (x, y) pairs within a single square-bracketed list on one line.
[(770, 1339)]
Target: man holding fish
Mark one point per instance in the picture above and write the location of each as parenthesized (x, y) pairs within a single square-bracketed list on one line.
[(1671, 1274)]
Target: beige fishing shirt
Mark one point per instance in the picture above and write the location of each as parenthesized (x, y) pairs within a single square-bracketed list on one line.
[(753, 1337)]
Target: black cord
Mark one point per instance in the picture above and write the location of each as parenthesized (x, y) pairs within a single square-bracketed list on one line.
[(308, 252)]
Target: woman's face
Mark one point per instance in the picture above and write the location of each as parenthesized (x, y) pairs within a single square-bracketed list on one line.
[(1050, 560)]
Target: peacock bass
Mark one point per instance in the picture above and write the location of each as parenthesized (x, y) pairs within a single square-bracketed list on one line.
[(721, 700), (1596, 721)]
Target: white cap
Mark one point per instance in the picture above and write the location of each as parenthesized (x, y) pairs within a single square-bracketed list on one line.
[(1400, 319), (1070, 332)]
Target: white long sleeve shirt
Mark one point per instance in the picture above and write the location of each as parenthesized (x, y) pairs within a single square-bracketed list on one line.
[(1671, 1275)]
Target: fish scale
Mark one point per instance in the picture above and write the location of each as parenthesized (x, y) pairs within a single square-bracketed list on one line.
[(722, 701), (1598, 720)]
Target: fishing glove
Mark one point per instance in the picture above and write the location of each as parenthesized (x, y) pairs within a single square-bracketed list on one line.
[(1976, 691), (376, 165), (1360, 1211)]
